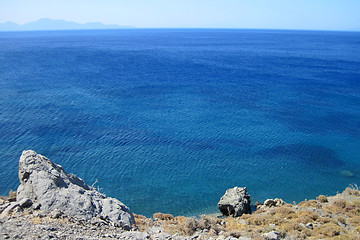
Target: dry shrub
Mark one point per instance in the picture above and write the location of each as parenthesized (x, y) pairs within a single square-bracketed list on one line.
[(342, 220), (352, 190), (331, 209), (310, 203), (143, 223), (290, 226), (258, 220), (12, 196), (163, 216), (309, 214), (354, 220), (175, 226), (283, 212), (324, 220), (36, 220), (181, 219), (190, 227), (208, 222), (232, 224), (306, 217), (339, 203), (329, 230), (356, 204), (322, 198)]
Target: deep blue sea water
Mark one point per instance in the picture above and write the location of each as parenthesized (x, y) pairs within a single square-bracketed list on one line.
[(167, 120)]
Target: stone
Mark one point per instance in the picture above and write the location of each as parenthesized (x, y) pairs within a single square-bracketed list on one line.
[(309, 225), (235, 202), (155, 230), (277, 202), (36, 206), (56, 214), (243, 222), (25, 203), (269, 203), (134, 235), (4, 206), (273, 235), (10, 208), (48, 184)]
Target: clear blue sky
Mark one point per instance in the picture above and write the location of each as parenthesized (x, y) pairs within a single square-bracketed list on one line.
[(268, 14)]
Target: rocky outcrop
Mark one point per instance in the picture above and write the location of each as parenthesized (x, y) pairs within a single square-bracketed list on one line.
[(235, 202), (47, 183)]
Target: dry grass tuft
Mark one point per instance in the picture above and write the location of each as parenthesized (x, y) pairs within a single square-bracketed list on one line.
[(329, 230), (355, 220), (163, 216), (36, 220), (143, 223), (12, 196), (339, 203), (342, 220), (306, 217), (352, 190), (283, 212), (310, 203)]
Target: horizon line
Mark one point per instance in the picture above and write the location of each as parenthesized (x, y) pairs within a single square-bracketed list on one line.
[(121, 28)]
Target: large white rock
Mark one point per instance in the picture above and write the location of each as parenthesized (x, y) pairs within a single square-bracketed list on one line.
[(47, 183)]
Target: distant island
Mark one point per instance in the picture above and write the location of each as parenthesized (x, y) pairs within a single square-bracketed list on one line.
[(51, 24)]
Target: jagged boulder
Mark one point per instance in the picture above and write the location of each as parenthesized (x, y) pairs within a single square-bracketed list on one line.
[(47, 183), (235, 202)]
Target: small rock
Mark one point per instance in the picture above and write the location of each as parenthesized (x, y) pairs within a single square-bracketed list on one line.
[(6, 236), (25, 203), (11, 207), (212, 232), (161, 236), (309, 225), (17, 211), (155, 230), (4, 206), (56, 214), (269, 203), (279, 202), (231, 238), (243, 222), (271, 235), (272, 225), (36, 206), (178, 237), (2, 201), (38, 214), (134, 235)]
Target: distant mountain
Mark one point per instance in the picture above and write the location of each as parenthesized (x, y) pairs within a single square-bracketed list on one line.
[(50, 24)]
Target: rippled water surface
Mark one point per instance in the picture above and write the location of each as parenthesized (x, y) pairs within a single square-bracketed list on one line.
[(167, 120)]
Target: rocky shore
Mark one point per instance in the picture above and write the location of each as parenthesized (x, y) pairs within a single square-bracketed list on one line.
[(53, 204)]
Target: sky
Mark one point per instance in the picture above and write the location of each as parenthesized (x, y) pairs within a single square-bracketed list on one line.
[(258, 14)]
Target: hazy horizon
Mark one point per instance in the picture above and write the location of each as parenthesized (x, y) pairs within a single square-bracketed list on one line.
[(327, 15)]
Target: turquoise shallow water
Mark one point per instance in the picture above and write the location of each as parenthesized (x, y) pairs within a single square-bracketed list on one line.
[(167, 120)]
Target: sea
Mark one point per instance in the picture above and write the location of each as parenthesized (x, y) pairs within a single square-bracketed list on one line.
[(166, 120)]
